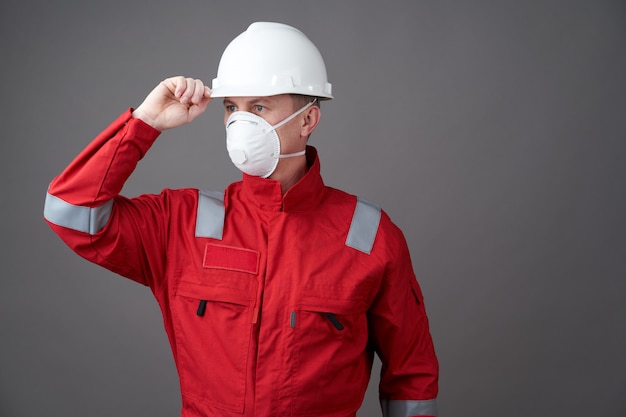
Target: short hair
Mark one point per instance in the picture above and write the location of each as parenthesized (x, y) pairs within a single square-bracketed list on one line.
[(300, 100)]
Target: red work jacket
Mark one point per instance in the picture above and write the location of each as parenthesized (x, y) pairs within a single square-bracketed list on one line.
[(274, 305)]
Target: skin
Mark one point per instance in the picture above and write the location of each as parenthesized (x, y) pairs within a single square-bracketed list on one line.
[(178, 100)]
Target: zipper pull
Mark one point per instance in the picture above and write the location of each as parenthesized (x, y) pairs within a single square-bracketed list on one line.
[(292, 320), (333, 319), (201, 308)]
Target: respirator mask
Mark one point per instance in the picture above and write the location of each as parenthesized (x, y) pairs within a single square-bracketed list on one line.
[(253, 144)]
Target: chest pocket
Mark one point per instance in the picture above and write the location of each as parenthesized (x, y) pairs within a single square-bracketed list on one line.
[(213, 314), (330, 362)]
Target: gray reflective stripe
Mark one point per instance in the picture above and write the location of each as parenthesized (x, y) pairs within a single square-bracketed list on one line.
[(408, 408), (210, 217), (83, 219), (364, 226)]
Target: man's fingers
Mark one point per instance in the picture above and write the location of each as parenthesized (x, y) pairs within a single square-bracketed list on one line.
[(179, 86), (174, 85), (189, 90), (174, 102), (198, 92)]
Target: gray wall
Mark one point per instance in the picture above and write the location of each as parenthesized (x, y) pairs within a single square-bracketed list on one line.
[(492, 132)]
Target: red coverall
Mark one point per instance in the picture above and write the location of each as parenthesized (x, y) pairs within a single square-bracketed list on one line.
[(268, 309)]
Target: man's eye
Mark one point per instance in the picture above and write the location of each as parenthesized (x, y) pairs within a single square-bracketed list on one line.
[(258, 107), (230, 108)]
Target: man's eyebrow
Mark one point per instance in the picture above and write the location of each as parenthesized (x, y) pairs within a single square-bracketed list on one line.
[(250, 101)]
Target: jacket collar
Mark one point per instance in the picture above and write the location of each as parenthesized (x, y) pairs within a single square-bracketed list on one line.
[(302, 196)]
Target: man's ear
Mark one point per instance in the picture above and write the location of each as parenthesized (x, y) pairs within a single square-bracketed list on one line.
[(310, 120)]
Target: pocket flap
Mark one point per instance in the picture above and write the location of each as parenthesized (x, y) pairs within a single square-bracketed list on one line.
[(333, 305), (210, 293)]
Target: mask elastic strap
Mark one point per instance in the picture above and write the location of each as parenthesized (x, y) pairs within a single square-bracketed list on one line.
[(279, 124), (288, 119), (290, 155)]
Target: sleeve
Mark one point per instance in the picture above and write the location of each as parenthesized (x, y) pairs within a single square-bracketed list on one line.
[(401, 336), (84, 208)]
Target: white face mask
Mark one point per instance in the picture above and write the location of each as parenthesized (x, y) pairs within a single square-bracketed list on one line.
[(253, 144)]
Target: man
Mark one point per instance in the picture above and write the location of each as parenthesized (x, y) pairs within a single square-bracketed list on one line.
[(276, 293)]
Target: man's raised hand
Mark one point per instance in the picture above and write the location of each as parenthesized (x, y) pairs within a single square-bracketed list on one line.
[(174, 102)]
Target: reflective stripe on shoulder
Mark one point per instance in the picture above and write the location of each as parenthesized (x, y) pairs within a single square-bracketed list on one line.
[(210, 217), (408, 408), (83, 219), (364, 226)]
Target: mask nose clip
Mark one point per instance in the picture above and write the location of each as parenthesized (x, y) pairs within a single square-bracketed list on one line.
[(252, 122)]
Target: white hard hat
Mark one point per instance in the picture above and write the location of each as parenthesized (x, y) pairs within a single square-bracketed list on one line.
[(269, 59)]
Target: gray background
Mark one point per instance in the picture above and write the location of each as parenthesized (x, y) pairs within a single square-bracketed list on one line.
[(492, 132)]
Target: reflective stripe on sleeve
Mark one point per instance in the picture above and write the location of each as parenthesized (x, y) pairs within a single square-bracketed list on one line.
[(210, 217), (83, 219), (364, 226), (408, 408)]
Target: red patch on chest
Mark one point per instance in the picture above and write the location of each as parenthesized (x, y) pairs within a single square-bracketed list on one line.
[(231, 258)]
